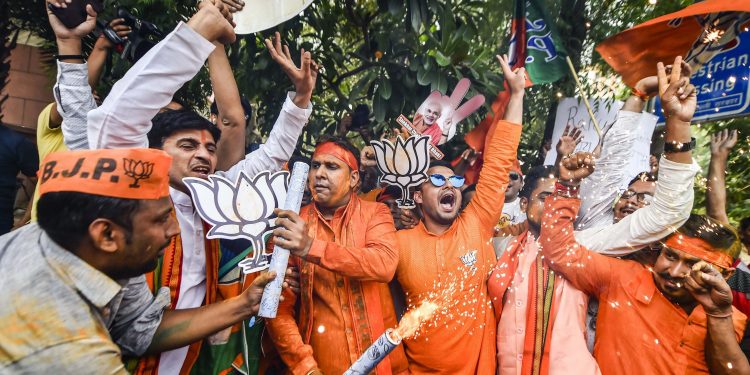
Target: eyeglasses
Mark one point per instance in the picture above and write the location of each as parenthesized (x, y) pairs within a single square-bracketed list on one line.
[(439, 180), (642, 198), (514, 176)]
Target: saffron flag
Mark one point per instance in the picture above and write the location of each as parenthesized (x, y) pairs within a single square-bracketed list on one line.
[(697, 33), (534, 44)]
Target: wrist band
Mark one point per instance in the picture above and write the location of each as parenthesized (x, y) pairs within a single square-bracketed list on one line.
[(69, 57), (566, 190), (642, 95), (719, 316)]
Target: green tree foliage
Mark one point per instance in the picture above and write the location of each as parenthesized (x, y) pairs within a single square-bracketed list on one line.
[(390, 54)]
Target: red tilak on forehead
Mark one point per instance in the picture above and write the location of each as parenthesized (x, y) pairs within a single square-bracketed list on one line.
[(330, 148)]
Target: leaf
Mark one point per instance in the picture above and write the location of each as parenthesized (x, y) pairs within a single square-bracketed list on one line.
[(441, 59), (384, 88), (379, 108)]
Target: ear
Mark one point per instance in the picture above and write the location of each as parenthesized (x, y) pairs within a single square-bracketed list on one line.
[(106, 235), (524, 204), (354, 179), (418, 196)]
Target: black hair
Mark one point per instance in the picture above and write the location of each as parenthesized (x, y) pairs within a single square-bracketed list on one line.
[(298, 158), (721, 237), (645, 177), (441, 163), (168, 122), (65, 216), (341, 142), (531, 179), (245, 105)]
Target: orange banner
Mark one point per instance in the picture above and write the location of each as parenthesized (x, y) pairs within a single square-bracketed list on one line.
[(119, 173), (635, 52)]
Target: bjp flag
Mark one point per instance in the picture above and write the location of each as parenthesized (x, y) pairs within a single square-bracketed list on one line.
[(535, 45), (696, 33)]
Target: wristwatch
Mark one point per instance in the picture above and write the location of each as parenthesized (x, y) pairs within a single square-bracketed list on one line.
[(679, 146)]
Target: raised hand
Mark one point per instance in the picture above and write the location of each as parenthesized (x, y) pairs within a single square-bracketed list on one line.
[(303, 77), (213, 22), (678, 96), (709, 288), (570, 138), (516, 78), (367, 157), (64, 33), (722, 142), (574, 168), (234, 5)]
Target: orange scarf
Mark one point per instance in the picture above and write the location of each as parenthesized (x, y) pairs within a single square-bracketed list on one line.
[(168, 273)]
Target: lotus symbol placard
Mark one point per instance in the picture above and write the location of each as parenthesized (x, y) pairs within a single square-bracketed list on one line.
[(403, 164), (240, 209)]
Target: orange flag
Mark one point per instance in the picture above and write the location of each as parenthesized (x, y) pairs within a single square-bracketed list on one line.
[(696, 33)]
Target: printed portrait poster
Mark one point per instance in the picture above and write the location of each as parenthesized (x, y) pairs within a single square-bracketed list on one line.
[(439, 114)]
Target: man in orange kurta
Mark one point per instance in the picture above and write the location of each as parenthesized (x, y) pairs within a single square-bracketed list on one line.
[(450, 253), (673, 318), (345, 249)]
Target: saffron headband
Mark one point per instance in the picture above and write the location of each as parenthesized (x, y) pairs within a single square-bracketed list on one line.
[(699, 248), (330, 148), (120, 173)]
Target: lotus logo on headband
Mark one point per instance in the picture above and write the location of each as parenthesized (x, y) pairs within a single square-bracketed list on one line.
[(137, 170), (403, 164), (243, 209)]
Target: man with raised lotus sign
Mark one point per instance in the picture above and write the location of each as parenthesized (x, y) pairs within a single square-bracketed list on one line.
[(346, 252)]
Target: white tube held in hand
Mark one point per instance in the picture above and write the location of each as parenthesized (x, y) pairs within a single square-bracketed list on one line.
[(269, 303)]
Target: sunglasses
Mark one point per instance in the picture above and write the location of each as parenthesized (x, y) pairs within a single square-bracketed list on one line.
[(514, 176), (439, 180)]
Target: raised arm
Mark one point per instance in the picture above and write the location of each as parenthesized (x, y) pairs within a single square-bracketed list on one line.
[(716, 193), (124, 119), (601, 188), (585, 269), (376, 261), (72, 91), (487, 204), (673, 198), (279, 146), (102, 47), (231, 118)]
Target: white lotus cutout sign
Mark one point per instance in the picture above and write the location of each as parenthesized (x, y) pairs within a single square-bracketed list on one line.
[(241, 209), (403, 164)]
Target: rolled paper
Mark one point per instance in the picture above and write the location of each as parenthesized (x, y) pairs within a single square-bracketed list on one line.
[(269, 303), (374, 354)]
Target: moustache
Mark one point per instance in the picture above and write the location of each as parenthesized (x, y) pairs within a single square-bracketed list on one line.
[(667, 277)]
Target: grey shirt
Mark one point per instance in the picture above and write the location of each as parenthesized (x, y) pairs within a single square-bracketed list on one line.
[(59, 314)]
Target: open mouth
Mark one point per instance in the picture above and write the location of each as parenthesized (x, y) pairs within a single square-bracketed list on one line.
[(448, 201), (201, 171), (627, 210)]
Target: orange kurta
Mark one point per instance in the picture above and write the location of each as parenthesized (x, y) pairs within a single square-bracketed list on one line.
[(638, 330), (345, 302), (464, 344)]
